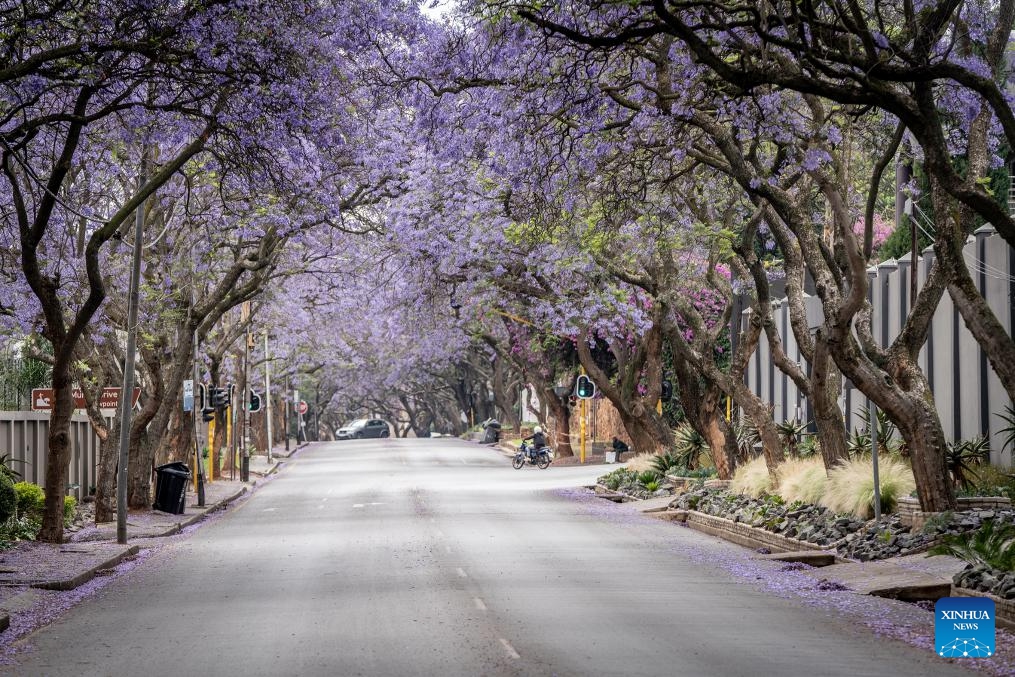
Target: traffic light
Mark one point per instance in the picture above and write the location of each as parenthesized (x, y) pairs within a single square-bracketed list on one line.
[(255, 402), (585, 388), (219, 397), (667, 393)]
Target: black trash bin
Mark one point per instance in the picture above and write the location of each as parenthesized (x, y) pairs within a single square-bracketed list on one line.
[(171, 487), (492, 431)]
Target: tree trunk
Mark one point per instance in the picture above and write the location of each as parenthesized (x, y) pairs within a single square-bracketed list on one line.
[(826, 382), (561, 415), (59, 454), (105, 482), (702, 401)]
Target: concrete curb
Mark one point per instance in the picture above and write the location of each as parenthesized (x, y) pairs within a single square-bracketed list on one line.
[(86, 576)]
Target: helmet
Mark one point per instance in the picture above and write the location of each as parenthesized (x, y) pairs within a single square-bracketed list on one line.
[(537, 430)]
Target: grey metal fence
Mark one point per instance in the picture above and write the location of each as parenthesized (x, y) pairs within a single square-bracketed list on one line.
[(23, 438), (968, 394)]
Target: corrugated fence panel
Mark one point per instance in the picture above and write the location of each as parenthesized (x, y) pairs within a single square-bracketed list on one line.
[(24, 439), (967, 392)]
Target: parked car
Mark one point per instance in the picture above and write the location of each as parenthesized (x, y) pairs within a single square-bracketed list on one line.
[(363, 427)]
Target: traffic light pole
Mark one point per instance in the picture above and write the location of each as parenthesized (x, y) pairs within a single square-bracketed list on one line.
[(197, 380), (245, 403)]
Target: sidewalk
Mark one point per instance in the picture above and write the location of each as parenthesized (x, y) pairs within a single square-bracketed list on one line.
[(93, 551)]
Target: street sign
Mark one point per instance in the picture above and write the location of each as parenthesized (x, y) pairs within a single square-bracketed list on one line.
[(303, 408), (188, 395), (42, 398)]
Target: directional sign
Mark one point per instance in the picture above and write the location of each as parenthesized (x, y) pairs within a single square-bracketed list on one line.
[(188, 395), (303, 408), (42, 398)]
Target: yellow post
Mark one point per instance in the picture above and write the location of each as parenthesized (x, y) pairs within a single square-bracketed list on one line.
[(581, 427), (209, 476), (659, 407), (729, 408)]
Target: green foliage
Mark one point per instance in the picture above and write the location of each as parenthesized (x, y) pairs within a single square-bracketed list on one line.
[(746, 436), (31, 499), (752, 478), (802, 480), (888, 435), (663, 463), (8, 498), (809, 446), (851, 486), (651, 486), (5, 467), (21, 528), (70, 506), (1008, 441), (899, 243), (962, 456), (992, 545), (690, 446), (648, 476), (991, 481), (613, 480), (791, 432)]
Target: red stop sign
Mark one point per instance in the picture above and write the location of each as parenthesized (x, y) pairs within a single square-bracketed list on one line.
[(303, 408)]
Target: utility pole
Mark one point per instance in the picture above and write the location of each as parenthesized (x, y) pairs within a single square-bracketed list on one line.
[(285, 420), (267, 392), (244, 397), (199, 467), (127, 394)]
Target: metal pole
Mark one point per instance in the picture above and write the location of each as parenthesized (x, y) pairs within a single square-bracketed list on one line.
[(285, 420), (267, 393), (874, 456), (127, 394), (199, 469), (245, 403)]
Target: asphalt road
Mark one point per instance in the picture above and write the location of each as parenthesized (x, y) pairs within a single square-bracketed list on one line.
[(435, 557)]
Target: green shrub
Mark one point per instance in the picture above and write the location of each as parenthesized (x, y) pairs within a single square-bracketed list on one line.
[(8, 498), (851, 486), (991, 481), (648, 476), (31, 498), (664, 462), (752, 478), (70, 506), (691, 447), (992, 545), (651, 486), (802, 480), (21, 528)]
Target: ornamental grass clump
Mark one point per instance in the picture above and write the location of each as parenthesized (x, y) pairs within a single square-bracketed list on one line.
[(802, 479), (851, 486), (752, 479)]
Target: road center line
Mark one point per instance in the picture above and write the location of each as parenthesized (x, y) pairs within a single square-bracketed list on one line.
[(479, 604), (510, 649)]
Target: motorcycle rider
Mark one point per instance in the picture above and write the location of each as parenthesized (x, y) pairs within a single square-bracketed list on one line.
[(538, 440)]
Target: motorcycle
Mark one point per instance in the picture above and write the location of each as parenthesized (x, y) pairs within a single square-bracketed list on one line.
[(538, 457)]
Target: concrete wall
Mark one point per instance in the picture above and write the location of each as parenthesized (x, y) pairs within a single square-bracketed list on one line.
[(966, 390)]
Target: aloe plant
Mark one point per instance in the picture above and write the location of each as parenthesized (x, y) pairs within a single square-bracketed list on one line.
[(992, 545), (961, 456), (1008, 431), (648, 476), (689, 446), (791, 432)]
